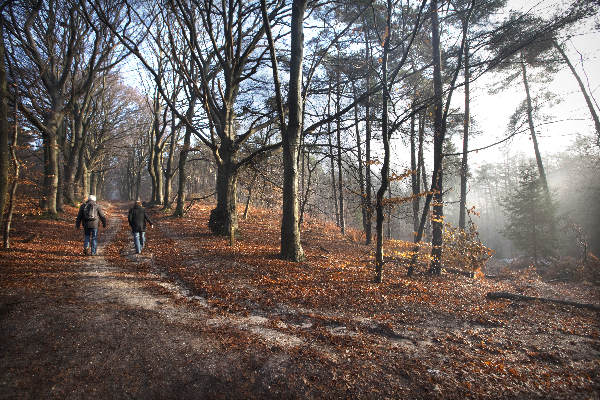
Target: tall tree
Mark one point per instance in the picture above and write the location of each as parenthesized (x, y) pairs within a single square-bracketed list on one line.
[(215, 50), (478, 17), (291, 249), (385, 134), (49, 41), (4, 129), (439, 132), (338, 130), (387, 128)]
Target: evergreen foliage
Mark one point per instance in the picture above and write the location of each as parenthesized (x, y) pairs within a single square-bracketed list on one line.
[(530, 215)]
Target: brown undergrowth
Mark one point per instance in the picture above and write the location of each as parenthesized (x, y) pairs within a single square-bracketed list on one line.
[(440, 334), (262, 327)]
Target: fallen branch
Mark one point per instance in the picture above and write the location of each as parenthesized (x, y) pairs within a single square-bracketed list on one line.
[(519, 297), (192, 198)]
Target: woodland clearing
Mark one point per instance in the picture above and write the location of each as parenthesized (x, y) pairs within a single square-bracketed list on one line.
[(193, 317)]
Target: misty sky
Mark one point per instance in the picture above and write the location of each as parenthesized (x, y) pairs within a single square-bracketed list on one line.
[(571, 115)]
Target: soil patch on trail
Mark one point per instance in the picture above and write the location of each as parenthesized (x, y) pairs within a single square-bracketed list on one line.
[(192, 317)]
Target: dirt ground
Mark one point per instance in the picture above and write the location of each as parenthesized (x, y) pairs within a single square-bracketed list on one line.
[(120, 325)]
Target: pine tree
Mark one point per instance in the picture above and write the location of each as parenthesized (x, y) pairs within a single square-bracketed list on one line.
[(530, 215)]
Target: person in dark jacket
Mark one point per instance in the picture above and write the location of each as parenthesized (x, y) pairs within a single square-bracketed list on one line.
[(137, 221), (90, 213)]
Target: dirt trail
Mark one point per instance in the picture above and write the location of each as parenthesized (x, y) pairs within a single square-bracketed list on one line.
[(109, 335)]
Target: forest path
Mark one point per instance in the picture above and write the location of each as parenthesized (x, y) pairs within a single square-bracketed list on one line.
[(120, 325), (112, 333)]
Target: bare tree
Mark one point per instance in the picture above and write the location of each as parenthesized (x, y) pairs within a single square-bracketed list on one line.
[(4, 134), (56, 54), (214, 49)]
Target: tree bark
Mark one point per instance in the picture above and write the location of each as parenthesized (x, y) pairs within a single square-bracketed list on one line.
[(3, 126), (386, 153), (464, 165), (332, 162), (368, 185), (169, 169), (60, 157), (182, 178), (249, 196), (150, 164), (93, 180), (12, 199), (361, 179), (307, 190), (291, 249), (78, 186), (73, 158), (414, 177), (338, 129), (85, 182), (438, 139), (50, 183), (223, 218), (421, 173), (538, 156), (158, 172)]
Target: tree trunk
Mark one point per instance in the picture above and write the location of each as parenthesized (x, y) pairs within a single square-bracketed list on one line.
[(50, 185), (291, 249), (150, 164), (78, 187), (223, 218), (386, 154), (3, 126), (368, 185), (420, 158), (60, 184), (538, 156), (181, 189), (389, 212), (414, 177), (332, 162), (338, 127), (169, 169), (361, 179), (464, 165), (93, 179), (588, 100), (85, 182), (13, 186), (61, 138), (73, 159), (438, 139), (249, 196), (158, 173)]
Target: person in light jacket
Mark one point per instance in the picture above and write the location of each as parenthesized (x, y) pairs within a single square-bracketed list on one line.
[(137, 221)]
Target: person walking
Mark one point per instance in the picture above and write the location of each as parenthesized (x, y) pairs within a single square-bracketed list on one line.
[(137, 221), (90, 213)]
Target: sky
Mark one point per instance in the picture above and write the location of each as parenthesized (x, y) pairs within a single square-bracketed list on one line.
[(491, 112), (571, 115)]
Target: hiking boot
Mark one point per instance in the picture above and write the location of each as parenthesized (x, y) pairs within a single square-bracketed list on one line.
[(86, 252)]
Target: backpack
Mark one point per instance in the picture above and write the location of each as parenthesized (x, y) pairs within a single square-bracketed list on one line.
[(90, 211)]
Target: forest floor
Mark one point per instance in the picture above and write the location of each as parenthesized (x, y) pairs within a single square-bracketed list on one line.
[(192, 317)]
